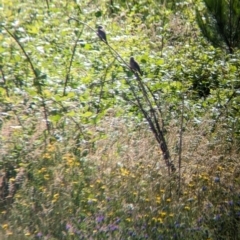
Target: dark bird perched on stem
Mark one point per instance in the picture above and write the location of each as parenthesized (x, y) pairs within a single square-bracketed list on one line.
[(102, 34), (135, 66)]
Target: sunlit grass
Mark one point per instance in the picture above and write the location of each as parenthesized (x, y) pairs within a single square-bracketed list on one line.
[(121, 189)]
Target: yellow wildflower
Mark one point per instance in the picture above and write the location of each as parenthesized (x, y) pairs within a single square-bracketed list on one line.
[(124, 172), (220, 168), (46, 156), (56, 195), (158, 200), (12, 180), (51, 148), (163, 214), (5, 226), (46, 177)]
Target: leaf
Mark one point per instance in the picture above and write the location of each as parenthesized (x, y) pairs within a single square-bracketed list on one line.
[(86, 114), (71, 114), (55, 118), (160, 61), (98, 14)]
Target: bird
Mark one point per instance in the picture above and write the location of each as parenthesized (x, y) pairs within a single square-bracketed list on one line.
[(134, 65), (102, 34)]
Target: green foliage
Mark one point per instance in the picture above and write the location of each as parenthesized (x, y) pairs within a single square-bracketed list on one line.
[(220, 23)]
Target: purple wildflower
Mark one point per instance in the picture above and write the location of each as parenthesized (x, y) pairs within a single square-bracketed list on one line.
[(100, 219), (112, 227), (200, 220), (118, 220), (39, 235), (216, 179), (217, 217), (68, 226)]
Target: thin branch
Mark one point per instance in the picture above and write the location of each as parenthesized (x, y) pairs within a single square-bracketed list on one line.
[(221, 112), (23, 50), (70, 65), (127, 65), (151, 117), (35, 83), (180, 146), (47, 4), (102, 85), (4, 81)]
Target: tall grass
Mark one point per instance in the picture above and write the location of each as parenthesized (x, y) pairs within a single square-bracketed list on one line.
[(116, 186)]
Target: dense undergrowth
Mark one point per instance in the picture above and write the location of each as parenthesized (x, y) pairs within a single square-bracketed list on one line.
[(77, 157)]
